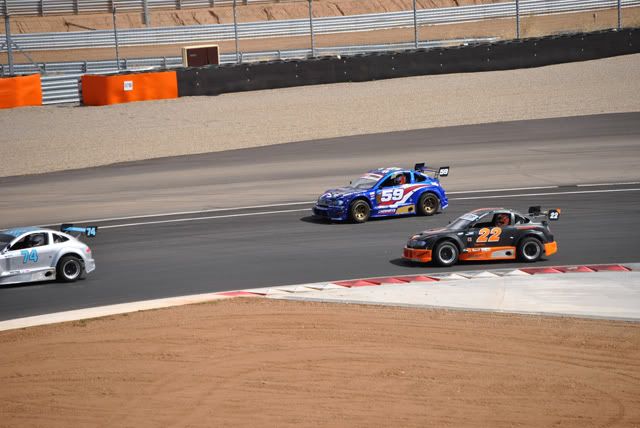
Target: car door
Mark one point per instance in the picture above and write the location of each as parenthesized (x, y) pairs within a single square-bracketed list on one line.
[(392, 193), (32, 252), (489, 239)]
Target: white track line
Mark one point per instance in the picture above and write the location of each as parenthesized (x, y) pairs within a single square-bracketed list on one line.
[(182, 220), (629, 183), (288, 204), (502, 190), (545, 194)]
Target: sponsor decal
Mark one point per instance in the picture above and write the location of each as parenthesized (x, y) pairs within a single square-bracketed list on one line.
[(387, 211)]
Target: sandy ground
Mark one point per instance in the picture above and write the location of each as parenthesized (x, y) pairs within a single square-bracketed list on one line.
[(252, 362), (532, 26), (42, 139)]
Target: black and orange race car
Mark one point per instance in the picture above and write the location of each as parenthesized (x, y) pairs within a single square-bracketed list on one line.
[(486, 234)]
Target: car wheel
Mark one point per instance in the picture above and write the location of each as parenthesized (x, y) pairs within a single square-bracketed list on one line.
[(530, 250), (428, 204), (445, 254), (360, 211), (69, 269)]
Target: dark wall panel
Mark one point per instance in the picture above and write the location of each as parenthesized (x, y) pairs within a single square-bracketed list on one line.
[(504, 55)]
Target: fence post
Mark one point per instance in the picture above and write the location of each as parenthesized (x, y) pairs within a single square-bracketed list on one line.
[(517, 19), (235, 29), (115, 35), (76, 7), (178, 4), (145, 13), (7, 35), (40, 7), (313, 41), (415, 24), (619, 14)]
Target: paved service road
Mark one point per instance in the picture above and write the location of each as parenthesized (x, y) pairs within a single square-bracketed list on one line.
[(280, 244)]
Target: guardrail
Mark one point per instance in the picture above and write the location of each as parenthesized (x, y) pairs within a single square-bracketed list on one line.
[(300, 27), (60, 7), (66, 88), (61, 89)]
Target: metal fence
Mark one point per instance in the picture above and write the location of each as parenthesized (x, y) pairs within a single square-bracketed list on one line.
[(59, 7), (301, 27)]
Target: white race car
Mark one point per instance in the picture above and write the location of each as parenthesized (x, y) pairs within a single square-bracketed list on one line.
[(36, 254)]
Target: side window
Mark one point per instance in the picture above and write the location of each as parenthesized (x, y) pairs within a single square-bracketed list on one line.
[(397, 179), (57, 239), (520, 220), (31, 241), (389, 182), (420, 178)]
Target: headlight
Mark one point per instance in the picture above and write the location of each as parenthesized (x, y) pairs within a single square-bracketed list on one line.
[(339, 202), (416, 244)]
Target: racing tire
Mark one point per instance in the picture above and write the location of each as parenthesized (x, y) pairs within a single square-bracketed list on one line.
[(69, 269), (530, 250), (359, 211), (428, 204), (445, 254)]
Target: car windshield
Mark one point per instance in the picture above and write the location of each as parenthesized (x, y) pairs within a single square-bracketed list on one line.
[(364, 183), (462, 221)]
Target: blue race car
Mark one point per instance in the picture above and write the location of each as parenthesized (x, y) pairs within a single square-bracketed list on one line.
[(386, 192)]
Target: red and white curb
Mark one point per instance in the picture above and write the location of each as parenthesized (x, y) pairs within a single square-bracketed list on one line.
[(424, 278), (275, 292)]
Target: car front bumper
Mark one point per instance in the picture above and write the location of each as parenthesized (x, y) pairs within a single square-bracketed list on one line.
[(332, 213), (416, 255)]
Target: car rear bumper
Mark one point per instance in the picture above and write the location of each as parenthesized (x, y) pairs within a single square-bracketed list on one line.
[(89, 265), (550, 248), (416, 255)]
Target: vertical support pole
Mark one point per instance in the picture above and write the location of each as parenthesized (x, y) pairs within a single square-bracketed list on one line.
[(415, 25), (212, 3), (619, 14), (145, 13), (7, 34), (517, 19), (76, 7), (178, 4), (40, 7), (235, 30), (115, 36), (313, 40)]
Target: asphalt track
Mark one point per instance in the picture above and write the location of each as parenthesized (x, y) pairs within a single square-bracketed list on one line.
[(189, 253)]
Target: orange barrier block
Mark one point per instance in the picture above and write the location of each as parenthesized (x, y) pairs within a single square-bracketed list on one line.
[(20, 91), (125, 88)]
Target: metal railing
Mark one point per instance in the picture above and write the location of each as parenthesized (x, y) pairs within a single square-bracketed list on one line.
[(300, 27), (60, 7), (61, 89)]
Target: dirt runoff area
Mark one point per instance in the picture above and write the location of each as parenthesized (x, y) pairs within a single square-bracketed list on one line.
[(253, 362)]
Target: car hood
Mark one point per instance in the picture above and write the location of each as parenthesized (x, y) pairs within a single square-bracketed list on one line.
[(339, 192), (429, 233)]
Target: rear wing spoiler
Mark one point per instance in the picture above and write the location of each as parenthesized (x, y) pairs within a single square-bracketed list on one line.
[(553, 214), (443, 171), (89, 231)]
